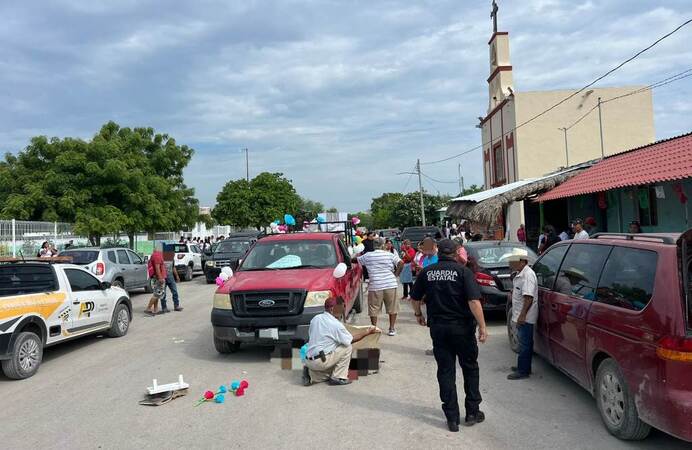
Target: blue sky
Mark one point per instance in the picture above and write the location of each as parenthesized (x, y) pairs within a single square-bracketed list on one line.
[(338, 95)]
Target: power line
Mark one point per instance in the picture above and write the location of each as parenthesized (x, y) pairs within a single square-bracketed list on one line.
[(633, 57), (439, 181), (677, 77)]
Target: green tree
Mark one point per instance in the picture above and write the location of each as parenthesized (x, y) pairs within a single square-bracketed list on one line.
[(403, 210), (332, 210), (122, 180), (267, 197), (234, 205), (383, 207), (308, 209), (366, 219)]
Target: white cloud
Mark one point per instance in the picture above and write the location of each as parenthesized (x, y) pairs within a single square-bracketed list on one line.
[(338, 95)]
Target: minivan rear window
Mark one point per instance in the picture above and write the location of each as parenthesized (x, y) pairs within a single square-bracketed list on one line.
[(82, 257), (22, 279), (628, 278)]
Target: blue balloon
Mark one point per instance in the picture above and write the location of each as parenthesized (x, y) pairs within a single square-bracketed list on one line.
[(320, 219), (289, 220)]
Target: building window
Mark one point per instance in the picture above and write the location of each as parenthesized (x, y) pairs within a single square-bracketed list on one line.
[(648, 211), (498, 164)]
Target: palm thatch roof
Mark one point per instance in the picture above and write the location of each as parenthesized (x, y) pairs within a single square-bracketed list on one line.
[(489, 210)]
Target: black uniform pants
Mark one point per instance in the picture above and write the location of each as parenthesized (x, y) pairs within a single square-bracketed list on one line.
[(452, 341)]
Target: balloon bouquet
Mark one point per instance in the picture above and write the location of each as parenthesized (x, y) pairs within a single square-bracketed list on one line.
[(225, 274)]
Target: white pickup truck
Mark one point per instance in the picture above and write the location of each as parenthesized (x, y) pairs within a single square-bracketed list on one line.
[(47, 301)]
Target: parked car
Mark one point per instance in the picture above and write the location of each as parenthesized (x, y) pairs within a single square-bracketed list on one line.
[(121, 267), (615, 314), (417, 234), (227, 253), (46, 303), (280, 286), (492, 272), (188, 259)]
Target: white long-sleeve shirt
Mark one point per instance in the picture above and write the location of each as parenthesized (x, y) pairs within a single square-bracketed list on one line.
[(326, 333)]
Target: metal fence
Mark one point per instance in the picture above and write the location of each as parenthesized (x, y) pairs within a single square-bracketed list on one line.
[(19, 237)]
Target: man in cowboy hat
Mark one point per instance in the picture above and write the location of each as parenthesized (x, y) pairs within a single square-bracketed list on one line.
[(329, 346), (524, 313)]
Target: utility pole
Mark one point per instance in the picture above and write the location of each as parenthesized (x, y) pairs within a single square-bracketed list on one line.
[(461, 182), (420, 191), (247, 165), (564, 130), (600, 124)]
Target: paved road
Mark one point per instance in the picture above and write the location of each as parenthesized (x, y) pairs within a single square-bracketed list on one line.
[(85, 396)]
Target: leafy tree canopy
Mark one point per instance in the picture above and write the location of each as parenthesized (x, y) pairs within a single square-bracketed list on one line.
[(267, 197), (399, 210), (122, 180)]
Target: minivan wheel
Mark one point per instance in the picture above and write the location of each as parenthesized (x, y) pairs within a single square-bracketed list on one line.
[(27, 354), (616, 405), (118, 283), (512, 330), (223, 346)]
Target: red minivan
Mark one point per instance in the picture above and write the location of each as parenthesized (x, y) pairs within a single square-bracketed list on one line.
[(615, 315)]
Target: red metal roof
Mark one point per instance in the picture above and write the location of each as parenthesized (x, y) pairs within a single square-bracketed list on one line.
[(666, 160)]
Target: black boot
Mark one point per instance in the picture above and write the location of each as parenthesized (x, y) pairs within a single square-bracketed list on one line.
[(307, 381)]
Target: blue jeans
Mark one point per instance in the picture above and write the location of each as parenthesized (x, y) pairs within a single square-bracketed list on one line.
[(525, 335), (170, 283)]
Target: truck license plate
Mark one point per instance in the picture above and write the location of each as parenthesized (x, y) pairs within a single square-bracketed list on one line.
[(269, 333)]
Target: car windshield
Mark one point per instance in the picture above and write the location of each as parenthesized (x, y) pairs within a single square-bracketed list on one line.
[(176, 248), (233, 247), (81, 257), (499, 254), (290, 255)]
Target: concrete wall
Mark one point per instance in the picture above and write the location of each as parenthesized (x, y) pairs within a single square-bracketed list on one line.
[(627, 123)]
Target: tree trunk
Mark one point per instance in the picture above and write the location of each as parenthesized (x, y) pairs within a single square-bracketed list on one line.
[(131, 237)]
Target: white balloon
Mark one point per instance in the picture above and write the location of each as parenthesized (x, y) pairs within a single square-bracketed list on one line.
[(340, 270), (359, 248), (228, 271), (350, 251), (224, 276)]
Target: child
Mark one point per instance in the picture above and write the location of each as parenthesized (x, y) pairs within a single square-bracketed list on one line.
[(158, 289)]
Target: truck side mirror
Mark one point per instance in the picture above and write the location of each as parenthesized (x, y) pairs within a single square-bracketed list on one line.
[(340, 270)]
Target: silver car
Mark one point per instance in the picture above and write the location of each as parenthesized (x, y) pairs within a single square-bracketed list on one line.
[(120, 267)]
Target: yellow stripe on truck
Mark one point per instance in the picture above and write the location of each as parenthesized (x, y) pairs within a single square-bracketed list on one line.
[(41, 304)]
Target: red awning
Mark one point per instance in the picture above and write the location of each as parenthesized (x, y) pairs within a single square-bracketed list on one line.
[(666, 160)]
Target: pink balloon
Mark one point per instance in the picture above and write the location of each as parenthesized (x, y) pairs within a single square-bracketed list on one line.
[(355, 220), (219, 281)]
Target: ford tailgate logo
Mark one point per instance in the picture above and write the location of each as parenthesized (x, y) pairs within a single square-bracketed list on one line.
[(266, 303)]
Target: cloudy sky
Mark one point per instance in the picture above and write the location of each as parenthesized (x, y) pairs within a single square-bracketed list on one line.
[(338, 95)]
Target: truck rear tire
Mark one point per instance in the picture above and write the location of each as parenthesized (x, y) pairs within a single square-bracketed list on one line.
[(223, 346), (27, 354), (358, 304)]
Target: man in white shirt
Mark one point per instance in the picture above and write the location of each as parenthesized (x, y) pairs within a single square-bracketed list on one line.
[(329, 347), (579, 231), (383, 270), (524, 313)]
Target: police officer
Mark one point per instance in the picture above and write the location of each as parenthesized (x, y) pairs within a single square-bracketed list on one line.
[(451, 295)]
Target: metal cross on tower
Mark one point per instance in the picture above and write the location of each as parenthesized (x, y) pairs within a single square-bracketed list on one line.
[(493, 15)]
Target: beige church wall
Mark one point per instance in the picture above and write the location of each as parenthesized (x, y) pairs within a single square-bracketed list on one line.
[(627, 123)]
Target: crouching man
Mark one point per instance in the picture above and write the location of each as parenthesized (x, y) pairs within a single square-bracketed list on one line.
[(329, 347)]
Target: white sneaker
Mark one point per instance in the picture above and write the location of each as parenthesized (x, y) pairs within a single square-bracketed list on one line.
[(391, 332)]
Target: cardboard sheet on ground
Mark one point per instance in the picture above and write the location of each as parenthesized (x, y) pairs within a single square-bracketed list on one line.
[(370, 341)]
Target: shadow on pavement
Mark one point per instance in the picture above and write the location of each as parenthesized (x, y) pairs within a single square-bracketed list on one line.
[(378, 403)]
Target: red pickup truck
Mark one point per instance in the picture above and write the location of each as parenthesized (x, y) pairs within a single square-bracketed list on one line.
[(280, 286)]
